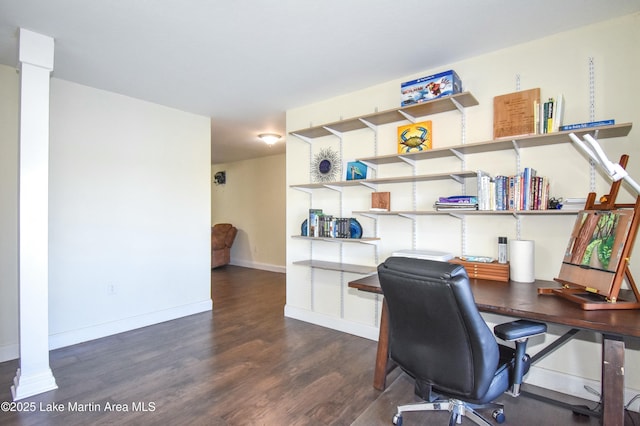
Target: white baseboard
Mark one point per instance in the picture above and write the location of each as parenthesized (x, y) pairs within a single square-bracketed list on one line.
[(563, 383), (572, 385), (360, 330), (73, 337), (9, 352), (258, 265), (548, 379)]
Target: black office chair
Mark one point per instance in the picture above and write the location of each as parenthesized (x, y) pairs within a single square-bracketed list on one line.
[(437, 336)]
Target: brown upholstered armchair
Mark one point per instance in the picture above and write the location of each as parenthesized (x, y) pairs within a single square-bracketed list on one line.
[(222, 236)]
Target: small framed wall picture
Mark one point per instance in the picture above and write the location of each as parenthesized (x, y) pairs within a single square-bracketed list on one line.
[(355, 170), (381, 201)]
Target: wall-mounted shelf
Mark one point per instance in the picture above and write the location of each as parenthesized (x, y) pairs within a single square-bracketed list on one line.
[(448, 103), (512, 143), (336, 266), (515, 213), (362, 240), (412, 113), (457, 176)]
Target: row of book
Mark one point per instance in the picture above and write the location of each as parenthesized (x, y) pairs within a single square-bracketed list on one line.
[(327, 226), (524, 191), (549, 115)]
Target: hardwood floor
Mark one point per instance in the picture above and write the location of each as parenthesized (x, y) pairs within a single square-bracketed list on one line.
[(242, 364)]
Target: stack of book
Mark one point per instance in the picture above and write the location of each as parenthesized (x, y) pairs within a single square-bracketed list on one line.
[(457, 202), (574, 204), (549, 115), (327, 226), (524, 191)]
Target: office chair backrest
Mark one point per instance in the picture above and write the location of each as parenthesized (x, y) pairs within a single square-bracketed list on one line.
[(436, 333)]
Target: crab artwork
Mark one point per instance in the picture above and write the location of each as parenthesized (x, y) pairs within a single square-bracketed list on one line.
[(414, 137), (414, 141)]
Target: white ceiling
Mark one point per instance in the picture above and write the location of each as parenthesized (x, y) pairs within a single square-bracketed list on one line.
[(245, 62)]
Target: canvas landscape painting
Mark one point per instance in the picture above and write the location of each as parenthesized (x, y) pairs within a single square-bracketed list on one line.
[(595, 248)]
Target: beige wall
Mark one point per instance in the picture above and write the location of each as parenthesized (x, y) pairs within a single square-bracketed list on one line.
[(253, 199), (556, 64), (8, 212)]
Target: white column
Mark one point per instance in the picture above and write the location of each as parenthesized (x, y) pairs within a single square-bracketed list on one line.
[(34, 375)]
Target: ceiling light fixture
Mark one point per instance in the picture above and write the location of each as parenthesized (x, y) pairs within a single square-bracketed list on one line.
[(269, 138)]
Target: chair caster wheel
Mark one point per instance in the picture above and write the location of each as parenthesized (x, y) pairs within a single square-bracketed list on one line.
[(498, 415), (397, 420)]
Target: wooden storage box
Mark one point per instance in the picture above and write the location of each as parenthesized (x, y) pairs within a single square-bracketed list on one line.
[(486, 271)]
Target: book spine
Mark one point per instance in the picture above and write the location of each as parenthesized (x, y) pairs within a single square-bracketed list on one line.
[(313, 223), (550, 116), (587, 125), (545, 117), (484, 194), (559, 113), (511, 204), (536, 117)]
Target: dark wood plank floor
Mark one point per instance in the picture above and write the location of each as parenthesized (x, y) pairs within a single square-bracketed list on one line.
[(242, 364)]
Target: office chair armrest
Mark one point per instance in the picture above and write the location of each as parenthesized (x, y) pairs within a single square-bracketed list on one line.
[(518, 330)]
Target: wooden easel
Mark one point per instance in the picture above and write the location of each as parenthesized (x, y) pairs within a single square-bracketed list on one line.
[(586, 297)]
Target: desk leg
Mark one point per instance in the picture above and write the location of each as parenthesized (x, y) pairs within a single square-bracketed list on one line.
[(612, 380), (382, 356)]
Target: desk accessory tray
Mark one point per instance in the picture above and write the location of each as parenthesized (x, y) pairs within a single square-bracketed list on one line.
[(485, 270)]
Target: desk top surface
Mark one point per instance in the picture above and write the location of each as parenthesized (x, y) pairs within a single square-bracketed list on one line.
[(521, 300)]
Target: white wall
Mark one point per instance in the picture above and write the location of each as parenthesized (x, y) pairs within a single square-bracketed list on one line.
[(129, 215), (253, 199), (556, 64)]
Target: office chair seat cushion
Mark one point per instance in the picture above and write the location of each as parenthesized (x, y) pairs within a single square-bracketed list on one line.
[(500, 383)]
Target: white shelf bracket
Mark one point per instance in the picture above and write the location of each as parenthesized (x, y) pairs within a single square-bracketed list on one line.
[(409, 161), (457, 216), (410, 118), (302, 138), (409, 216), (516, 148), (307, 190), (369, 124), (457, 178), (369, 215), (334, 132), (457, 154), (333, 188), (370, 185), (458, 105), (373, 166)]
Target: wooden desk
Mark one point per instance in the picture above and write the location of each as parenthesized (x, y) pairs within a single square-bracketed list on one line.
[(521, 300)]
